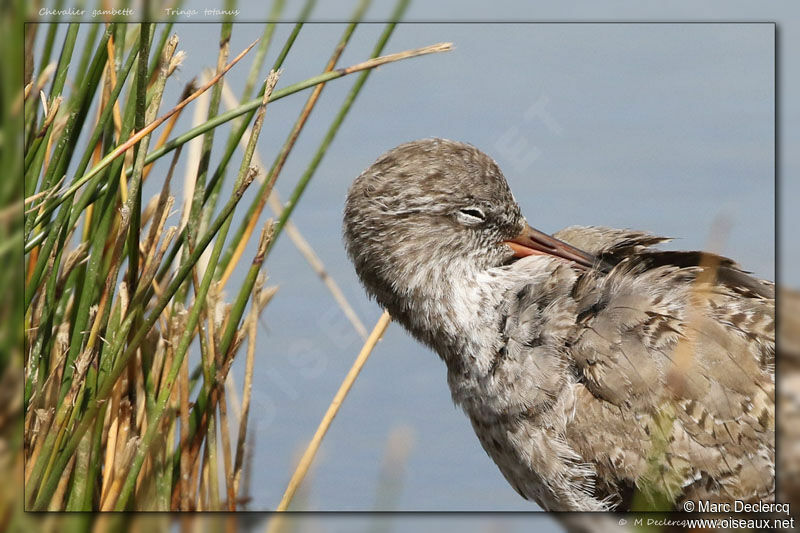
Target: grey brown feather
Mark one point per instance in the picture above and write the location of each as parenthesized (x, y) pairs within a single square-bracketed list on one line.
[(654, 373)]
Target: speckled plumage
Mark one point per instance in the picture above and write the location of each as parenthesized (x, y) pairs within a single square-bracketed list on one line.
[(654, 370)]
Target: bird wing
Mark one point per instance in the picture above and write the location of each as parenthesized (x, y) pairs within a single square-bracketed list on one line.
[(671, 358), (614, 245), (601, 240)]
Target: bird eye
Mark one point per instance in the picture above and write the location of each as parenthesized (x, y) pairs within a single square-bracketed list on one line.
[(471, 215)]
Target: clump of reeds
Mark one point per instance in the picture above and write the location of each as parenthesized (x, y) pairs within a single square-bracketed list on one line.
[(117, 289)]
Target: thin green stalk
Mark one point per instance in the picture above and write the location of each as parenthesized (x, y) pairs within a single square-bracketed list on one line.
[(237, 309), (208, 137), (233, 140), (212, 191), (47, 49), (102, 123), (63, 61), (139, 297), (213, 463), (119, 42), (163, 473), (334, 127), (87, 49), (263, 47), (242, 109), (11, 190), (56, 88), (195, 209), (80, 482), (94, 466), (142, 117), (65, 148), (193, 226), (77, 101), (277, 165), (39, 363), (34, 157)]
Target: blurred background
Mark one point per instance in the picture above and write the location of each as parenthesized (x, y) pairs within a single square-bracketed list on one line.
[(667, 128)]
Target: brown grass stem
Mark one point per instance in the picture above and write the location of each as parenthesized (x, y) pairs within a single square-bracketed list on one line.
[(311, 451)]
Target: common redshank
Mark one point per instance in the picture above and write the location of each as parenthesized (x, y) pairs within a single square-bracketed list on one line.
[(591, 364)]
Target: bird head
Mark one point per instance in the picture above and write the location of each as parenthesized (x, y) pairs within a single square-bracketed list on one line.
[(432, 209)]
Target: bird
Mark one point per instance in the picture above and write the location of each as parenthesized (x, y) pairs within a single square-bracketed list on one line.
[(599, 371)]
